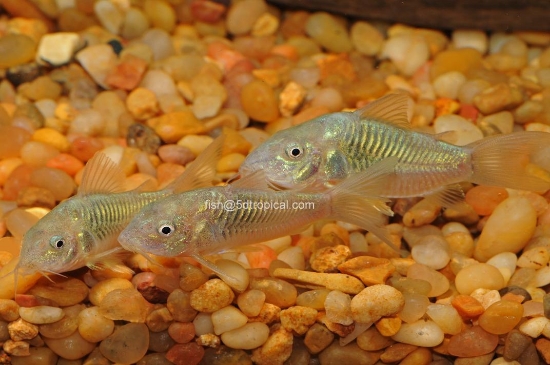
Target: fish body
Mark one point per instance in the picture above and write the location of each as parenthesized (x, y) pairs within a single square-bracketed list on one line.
[(324, 151), (213, 219), (83, 230)]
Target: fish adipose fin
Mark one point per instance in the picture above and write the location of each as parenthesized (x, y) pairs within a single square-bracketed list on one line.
[(500, 160), (202, 171), (357, 199), (392, 109), (101, 175), (449, 197)]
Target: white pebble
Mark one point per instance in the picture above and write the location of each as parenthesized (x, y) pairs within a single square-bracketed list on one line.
[(446, 317), (475, 39), (57, 48), (466, 132), (503, 121), (294, 256), (535, 258), (338, 307), (88, 122), (357, 242), (159, 82), (203, 324), (41, 314), (98, 60), (534, 327), (109, 15), (46, 107), (407, 51), (542, 277), (505, 262), (448, 84), (248, 337), (365, 38), (228, 319), (420, 333), (160, 43), (432, 252)]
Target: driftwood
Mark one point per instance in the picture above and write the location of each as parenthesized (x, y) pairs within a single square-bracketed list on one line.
[(495, 15)]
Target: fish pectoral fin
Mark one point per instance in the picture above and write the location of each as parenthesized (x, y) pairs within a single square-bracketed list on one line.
[(392, 109), (101, 175), (449, 197), (256, 180), (112, 259), (228, 279), (201, 172), (448, 136)]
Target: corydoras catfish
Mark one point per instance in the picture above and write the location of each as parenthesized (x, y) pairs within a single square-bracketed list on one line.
[(319, 153), (83, 230), (215, 219)]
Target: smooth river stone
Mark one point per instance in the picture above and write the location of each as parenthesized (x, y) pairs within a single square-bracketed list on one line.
[(72, 347), (508, 229), (420, 333), (127, 345), (473, 341)]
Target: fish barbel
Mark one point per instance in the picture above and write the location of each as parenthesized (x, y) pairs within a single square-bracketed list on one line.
[(318, 154), (83, 230), (209, 220)]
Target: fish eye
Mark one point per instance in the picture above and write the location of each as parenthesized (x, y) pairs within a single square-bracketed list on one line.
[(166, 229), (294, 151), (57, 242)]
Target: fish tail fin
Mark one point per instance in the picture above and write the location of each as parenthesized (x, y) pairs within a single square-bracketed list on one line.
[(200, 172), (358, 200), (501, 160)]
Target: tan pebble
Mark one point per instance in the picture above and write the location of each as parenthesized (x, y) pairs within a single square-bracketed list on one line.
[(276, 349), (472, 341), (291, 98), (250, 302), (421, 356), (22, 330), (501, 317), (338, 307), (349, 354), (269, 313), (313, 298), (422, 213), (142, 103), (124, 304), (421, 333), (52, 137), (9, 310), (388, 326), (439, 283), (159, 319), (93, 326), (486, 297), (535, 258), (341, 282), (371, 270), (171, 127), (373, 340), (446, 317), (327, 259), (298, 319), (41, 314), (72, 347), (265, 25), (127, 344), (227, 319), (340, 329), (211, 296), (478, 276), (247, 337), (376, 301), (102, 288), (230, 162), (497, 98), (209, 340), (397, 352), (64, 327), (63, 291), (317, 338), (534, 327), (277, 291)]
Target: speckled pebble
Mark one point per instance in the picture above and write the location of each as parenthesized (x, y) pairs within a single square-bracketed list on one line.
[(376, 301), (211, 296)]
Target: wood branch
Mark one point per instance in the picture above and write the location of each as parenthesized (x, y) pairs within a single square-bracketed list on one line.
[(495, 15)]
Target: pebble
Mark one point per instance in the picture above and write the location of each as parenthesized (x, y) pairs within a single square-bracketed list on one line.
[(16, 348), (100, 290), (446, 317), (247, 337), (276, 349), (484, 199), (160, 14), (259, 101), (98, 60), (415, 307), (461, 60), (159, 41), (376, 301), (20, 330), (128, 343), (515, 344), (160, 341), (366, 38), (72, 347), (501, 317), (349, 354), (124, 304), (338, 307), (211, 296), (344, 283), (498, 98), (41, 314), (327, 259), (142, 103), (466, 131), (477, 276), (159, 319), (37, 356), (109, 15), (407, 52), (439, 283), (228, 319), (179, 305), (397, 352), (57, 49), (182, 332), (268, 314), (250, 302), (389, 326), (241, 17), (508, 229), (277, 291), (327, 31), (475, 39), (171, 127), (185, 354), (423, 333), (93, 326), (11, 141), (127, 74), (472, 341), (313, 298), (63, 291), (318, 338), (432, 251), (298, 319), (534, 327), (16, 49), (135, 23), (230, 162), (42, 87), (371, 270)]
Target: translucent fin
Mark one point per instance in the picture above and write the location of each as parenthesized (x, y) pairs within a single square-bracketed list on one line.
[(392, 109), (256, 180), (202, 171), (230, 280), (111, 259), (357, 199), (501, 160), (448, 136), (448, 197), (101, 175)]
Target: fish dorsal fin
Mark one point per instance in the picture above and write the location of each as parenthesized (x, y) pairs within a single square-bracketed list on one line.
[(202, 171), (101, 175), (391, 109), (256, 181)]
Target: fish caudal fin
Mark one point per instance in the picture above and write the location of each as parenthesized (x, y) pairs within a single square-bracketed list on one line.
[(501, 160), (358, 200), (202, 171)]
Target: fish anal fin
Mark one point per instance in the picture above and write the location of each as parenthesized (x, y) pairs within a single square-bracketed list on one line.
[(101, 175), (200, 172), (392, 109), (449, 197)]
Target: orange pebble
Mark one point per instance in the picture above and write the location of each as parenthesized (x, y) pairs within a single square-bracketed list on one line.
[(167, 172), (444, 106), (337, 230), (68, 163), (285, 50), (263, 258), (467, 306), (468, 111), (309, 114), (305, 243), (484, 199)]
